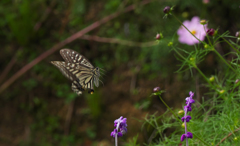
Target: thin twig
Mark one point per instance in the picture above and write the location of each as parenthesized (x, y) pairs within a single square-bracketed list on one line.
[(8, 68), (65, 42), (118, 41), (45, 15), (231, 133)]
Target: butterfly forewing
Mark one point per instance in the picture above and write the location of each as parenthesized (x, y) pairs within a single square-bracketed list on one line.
[(79, 70), (74, 57)]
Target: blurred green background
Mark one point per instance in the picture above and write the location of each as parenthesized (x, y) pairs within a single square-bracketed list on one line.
[(39, 107)]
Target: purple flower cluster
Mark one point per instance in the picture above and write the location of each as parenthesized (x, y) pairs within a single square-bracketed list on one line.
[(120, 124), (186, 117)]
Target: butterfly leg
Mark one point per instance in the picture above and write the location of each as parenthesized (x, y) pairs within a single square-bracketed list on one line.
[(77, 88)]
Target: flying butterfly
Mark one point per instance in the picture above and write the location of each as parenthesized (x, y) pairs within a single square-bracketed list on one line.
[(79, 70)]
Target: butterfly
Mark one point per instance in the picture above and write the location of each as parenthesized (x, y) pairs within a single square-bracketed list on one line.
[(79, 70)]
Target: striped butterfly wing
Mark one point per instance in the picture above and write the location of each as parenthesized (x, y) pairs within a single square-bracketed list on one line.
[(72, 56), (78, 69)]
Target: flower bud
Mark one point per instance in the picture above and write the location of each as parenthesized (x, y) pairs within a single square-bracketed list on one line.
[(192, 59), (156, 89), (170, 44), (203, 22), (211, 32), (183, 125), (222, 91), (235, 138), (236, 81), (158, 36), (206, 46), (181, 113), (237, 34), (166, 10), (205, 1), (211, 79)]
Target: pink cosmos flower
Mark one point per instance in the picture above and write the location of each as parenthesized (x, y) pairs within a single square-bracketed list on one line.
[(195, 28), (206, 1)]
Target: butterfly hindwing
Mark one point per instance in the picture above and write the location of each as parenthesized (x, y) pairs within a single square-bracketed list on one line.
[(65, 68)]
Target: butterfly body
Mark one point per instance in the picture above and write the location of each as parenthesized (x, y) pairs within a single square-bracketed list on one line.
[(79, 70)]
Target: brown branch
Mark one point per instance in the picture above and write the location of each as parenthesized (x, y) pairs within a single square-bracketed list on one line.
[(45, 15), (8, 68), (227, 136), (117, 41), (64, 42)]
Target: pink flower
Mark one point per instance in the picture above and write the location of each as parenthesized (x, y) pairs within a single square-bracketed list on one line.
[(206, 1), (195, 28)]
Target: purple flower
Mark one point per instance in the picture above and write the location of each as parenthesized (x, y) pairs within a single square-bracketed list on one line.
[(114, 132), (195, 28), (120, 124), (188, 135), (188, 108), (189, 99), (183, 137), (188, 118)]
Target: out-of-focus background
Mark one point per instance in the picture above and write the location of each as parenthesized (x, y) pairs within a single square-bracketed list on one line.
[(37, 105)]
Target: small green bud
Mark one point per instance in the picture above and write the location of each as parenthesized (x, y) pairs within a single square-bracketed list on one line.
[(235, 138), (185, 14), (203, 22), (180, 112), (211, 79), (170, 44), (183, 125), (192, 59), (206, 46), (222, 91)]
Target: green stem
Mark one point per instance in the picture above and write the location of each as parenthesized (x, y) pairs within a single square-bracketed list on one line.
[(187, 29), (231, 45), (178, 53), (200, 139), (159, 131), (224, 61), (207, 36), (203, 75), (169, 108)]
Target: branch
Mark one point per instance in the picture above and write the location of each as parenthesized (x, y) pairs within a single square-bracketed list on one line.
[(118, 41), (231, 133), (65, 42), (8, 68)]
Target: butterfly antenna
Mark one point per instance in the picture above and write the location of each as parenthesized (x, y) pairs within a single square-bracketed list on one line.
[(101, 82), (102, 69)]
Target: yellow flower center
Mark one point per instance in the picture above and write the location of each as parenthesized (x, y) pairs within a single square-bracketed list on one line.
[(193, 32)]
